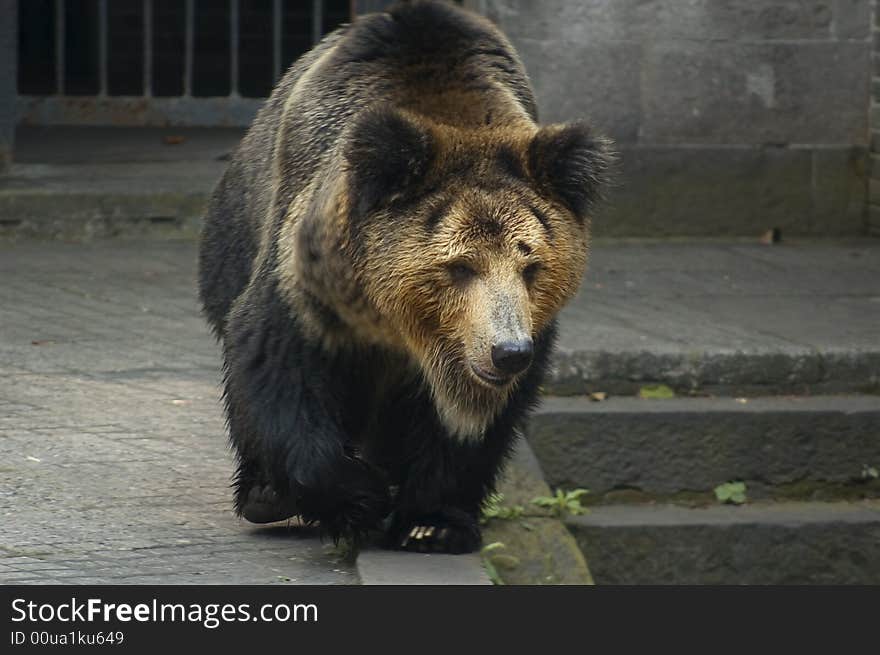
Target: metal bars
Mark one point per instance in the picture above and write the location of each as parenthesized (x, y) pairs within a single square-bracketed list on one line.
[(317, 20), (143, 106), (234, 31), (276, 39), (317, 31), (148, 48), (189, 47), (60, 17), (102, 47)]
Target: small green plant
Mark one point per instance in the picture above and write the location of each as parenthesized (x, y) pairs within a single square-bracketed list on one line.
[(655, 391), (491, 571), (493, 509), (731, 492), (563, 503), (870, 473)]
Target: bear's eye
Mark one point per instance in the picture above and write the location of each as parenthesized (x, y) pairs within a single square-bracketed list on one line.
[(461, 272), (530, 272)]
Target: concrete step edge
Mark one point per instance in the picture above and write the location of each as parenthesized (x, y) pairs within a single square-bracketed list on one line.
[(810, 448), (714, 370), (783, 514), (384, 567), (843, 403), (773, 543)]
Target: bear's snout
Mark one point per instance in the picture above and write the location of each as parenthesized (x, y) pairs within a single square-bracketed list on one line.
[(509, 358), (512, 357)]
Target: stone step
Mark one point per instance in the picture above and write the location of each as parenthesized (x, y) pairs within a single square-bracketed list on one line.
[(77, 183), (728, 318), (717, 371), (661, 448), (776, 543), (86, 201)]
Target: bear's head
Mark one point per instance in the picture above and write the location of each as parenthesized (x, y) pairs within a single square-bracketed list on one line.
[(468, 242)]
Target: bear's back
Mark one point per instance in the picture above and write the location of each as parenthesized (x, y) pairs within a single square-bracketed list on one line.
[(427, 57)]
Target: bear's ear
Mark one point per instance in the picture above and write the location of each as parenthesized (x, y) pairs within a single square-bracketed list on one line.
[(572, 164), (386, 153)]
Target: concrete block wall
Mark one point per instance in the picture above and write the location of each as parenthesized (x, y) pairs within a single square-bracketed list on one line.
[(732, 116)]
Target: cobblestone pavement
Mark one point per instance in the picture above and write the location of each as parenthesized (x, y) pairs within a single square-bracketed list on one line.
[(113, 459)]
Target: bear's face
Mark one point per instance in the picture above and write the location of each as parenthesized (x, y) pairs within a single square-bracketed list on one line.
[(468, 244), (479, 291)]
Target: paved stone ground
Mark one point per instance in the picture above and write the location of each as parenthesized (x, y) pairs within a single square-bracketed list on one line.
[(113, 462), (733, 318), (113, 459)]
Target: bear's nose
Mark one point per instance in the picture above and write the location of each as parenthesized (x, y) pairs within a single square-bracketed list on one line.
[(512, 357)]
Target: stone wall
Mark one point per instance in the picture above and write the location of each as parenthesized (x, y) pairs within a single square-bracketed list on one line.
[(732, 116)]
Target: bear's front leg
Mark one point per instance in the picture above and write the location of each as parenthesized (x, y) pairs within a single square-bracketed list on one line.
[(438, 505), (443, 480), (285, 401)]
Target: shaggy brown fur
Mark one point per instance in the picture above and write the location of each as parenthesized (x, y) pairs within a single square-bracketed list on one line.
[(398, 203)]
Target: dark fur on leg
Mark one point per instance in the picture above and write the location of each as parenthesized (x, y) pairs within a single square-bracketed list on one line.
[(443, 481), (285, 402)]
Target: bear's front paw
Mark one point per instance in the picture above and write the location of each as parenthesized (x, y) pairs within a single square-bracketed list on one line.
[(262, 504), (447, 531), (354, 516), (356, 504)]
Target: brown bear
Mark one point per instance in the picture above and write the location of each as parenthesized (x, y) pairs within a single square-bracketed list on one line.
[(383, 262)]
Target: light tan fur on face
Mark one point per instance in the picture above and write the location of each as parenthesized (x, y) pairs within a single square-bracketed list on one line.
[(452, 325), (400, 290)]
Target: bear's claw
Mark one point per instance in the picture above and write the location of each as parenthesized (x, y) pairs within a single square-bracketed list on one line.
[(264, 505), (421, 531), (437, 534)]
